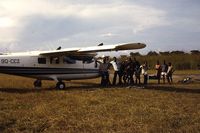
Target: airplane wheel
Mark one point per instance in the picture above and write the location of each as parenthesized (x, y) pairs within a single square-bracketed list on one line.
[(38, 83), (60, 85)]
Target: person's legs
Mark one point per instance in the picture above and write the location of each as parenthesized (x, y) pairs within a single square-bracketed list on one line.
[(158, 76), (131, 78), (139, 78), (168, 79), (171, 80), (107, 79), (145, 79), (136, 79), (163, 78), (114, 78), (120, 77), (103, 79)]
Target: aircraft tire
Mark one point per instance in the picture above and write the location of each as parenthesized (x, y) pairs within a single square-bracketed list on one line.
[(60, 85), (37, 83)]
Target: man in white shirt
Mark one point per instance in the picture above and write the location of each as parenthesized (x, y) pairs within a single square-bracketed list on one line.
[(170, 71), (116, 66)]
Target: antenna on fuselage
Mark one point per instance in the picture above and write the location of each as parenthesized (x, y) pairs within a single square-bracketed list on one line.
[(59, 48), (101, 44)]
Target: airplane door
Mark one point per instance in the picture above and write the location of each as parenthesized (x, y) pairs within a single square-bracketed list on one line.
[(90, 67)]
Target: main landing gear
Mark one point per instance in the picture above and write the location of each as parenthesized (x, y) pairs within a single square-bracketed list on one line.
[(60, 85)]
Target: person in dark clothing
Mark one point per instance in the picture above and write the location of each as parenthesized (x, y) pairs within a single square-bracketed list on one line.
[(123, 71), (159, 70), (130, 71), (164, 71), (137, 71), (103, 70)]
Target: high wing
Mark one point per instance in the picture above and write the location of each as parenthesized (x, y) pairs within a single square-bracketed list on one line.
[(92, 50)]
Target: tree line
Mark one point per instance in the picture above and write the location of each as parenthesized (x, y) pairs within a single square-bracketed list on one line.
[(181, 60)]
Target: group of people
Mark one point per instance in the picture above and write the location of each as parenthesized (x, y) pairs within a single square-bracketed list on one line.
[(129, 71), (164, 71)]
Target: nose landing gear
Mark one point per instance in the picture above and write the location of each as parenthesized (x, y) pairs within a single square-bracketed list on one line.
[(37, 83)]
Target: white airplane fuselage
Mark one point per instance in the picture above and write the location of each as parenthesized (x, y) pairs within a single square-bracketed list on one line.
[(47, 68), (61, 64)]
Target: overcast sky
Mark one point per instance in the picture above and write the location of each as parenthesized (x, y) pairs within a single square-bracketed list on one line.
[(46, 24)]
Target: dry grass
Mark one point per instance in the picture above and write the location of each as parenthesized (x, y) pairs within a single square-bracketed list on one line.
[(85, 107)]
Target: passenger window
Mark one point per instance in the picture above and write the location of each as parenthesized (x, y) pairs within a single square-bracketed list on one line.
[(42, 61), (54, 60), (68, 60)]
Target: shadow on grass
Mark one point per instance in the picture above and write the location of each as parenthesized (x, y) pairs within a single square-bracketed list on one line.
[(93, 87), (38, 90), (172, 89), (23, 90)]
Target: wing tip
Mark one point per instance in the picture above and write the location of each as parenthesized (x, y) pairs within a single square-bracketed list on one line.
[(130, 46), (142, 45)]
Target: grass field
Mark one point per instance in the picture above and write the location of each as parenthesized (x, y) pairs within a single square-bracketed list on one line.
[(85, 107)]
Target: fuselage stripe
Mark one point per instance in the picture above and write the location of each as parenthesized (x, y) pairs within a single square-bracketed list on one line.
[(42, 71)]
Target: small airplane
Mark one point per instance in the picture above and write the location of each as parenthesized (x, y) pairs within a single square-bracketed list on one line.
[(60, 64)]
